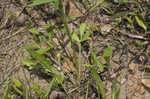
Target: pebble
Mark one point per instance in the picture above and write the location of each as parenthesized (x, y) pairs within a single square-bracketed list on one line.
[(146, 82)]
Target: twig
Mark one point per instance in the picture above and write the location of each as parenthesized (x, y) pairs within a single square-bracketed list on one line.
[(8, 37), (133, 35)]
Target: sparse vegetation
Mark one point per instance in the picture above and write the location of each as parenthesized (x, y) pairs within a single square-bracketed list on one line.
[(65, 52)]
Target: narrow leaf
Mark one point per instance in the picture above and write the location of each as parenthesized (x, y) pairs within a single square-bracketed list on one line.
[(26, 92), (17, 83), (82, 30), (115, 90), (43, 50), (50, 87), (141, 23), (42, 60), (98, 4), (34, 31), (28, 62), (99, 82), (101, 66), (59, 78), (85, 36), (107, 53), (75, 37), (39, 2), (125, 1), (37, 89), (17, 90), (129, 20)]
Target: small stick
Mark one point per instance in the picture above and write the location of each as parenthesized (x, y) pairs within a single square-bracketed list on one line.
[(17, 32), (132, 35)]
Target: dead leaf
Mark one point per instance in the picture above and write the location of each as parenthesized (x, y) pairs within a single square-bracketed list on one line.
[(71, 10), (68, 66), (141, 90), (133, 67), (106, 27)]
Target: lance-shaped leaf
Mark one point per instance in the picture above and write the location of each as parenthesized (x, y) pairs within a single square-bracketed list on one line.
[(141, 23), (41, 59)]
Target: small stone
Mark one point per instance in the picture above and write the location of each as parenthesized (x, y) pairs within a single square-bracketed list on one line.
[(146, 82), (123, 80), (106, 28), (141, 90), (21, 19), (132, 66), (134, 97), (57, 95), (137, 94)]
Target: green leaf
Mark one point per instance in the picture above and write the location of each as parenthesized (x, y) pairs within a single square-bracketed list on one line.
[(39, 2), (17, 83), (50, 33), (82, 30), (75, 37), (34, 44), (57, 4), (34, 31), (139, 43), (26, 92), (98, 4), (141, 23), (94, 58), (49, 88), (101, 87), (108, 10), (42, 60), (125, 1), (115, 90), (101, 66), (129, 20), (59, 78), (85, 36), (43, 50), (87, 65), (28, 62), (17, 90), (107, 53), (86, 97), (37, 89)]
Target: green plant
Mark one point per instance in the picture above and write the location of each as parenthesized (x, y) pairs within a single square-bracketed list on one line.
[(44, 58), (96, 64), (5, 90)]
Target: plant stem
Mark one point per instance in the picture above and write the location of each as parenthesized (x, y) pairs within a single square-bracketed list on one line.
[(79, 61), (69, 34)]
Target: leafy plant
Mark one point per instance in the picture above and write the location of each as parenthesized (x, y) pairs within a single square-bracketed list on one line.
[(38, 53), (17, 86), (5, 90), (96, 64)]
